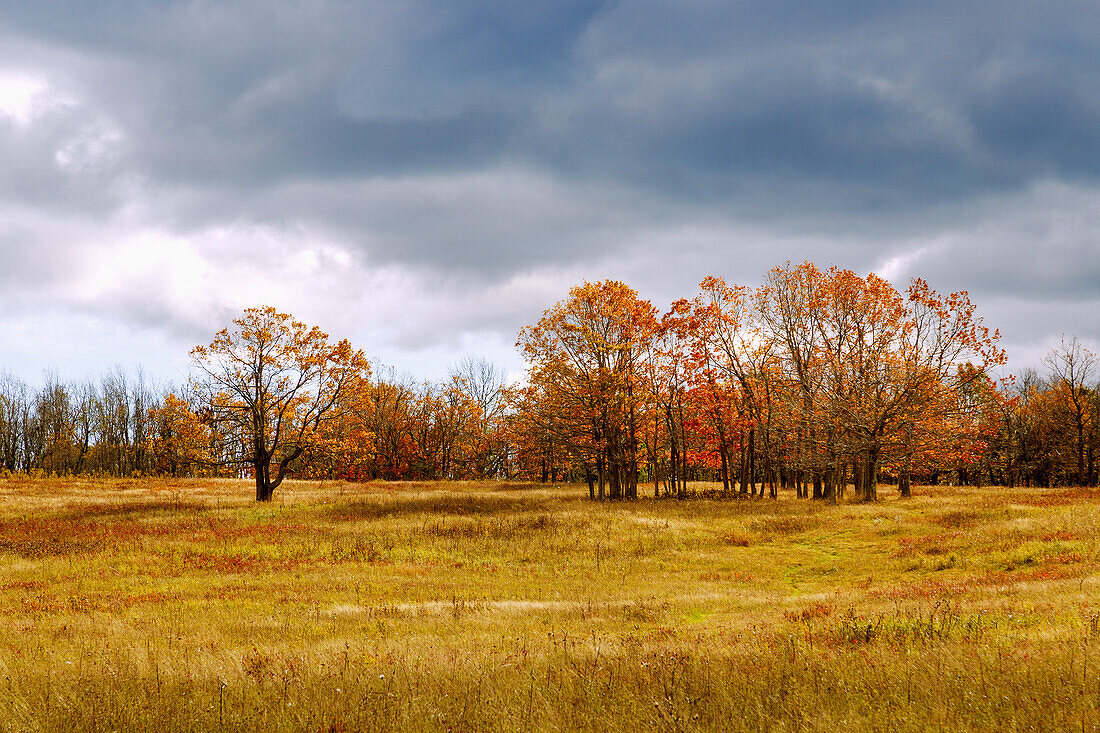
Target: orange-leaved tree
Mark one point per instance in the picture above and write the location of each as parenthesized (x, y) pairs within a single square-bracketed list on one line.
[(180, 441), (585, 357), (733, 352), (274, 382)]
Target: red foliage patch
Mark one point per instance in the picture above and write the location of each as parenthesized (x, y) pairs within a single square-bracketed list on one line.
[(222, 563), (933, 544), (1060, 536), (816, 611), (47, 536)]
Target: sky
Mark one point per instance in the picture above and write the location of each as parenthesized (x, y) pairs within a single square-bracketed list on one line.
[(424, 178)]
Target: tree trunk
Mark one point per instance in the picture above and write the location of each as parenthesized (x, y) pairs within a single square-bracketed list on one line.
[(905, 476), (653, 453), (263, 487), (828, 481), (870, 474), (741, 464), (632, 451), (683, 444), (751, 448), (725, 468), (600, 479), (1080, 452), (673, 488)]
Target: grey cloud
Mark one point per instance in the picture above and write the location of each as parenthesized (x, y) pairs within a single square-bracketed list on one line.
[(1040, 246), (1042, 125), (891, 111), (849, 106), (470, 144), (484, 225), (26, 261), (63, 160)]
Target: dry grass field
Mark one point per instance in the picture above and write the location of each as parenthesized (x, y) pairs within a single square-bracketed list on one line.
[(184, 605)]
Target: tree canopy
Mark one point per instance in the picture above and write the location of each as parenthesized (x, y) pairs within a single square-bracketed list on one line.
[(274, 383)]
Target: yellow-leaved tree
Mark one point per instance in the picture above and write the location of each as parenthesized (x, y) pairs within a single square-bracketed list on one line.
[(180, 441)]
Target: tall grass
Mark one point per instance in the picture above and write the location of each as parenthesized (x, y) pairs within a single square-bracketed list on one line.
[(183, 605)]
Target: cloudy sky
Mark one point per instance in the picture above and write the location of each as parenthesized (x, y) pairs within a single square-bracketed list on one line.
[(426, 177)]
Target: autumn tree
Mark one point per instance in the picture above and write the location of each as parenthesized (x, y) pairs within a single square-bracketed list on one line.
[(585, 355), (836, 370), (541, 442), (274, 382), (387, 414), (180, 441), (734, 355), (13, 408), (347, 448), (946, 359), (667, 373), (861, 326), (790, 307)]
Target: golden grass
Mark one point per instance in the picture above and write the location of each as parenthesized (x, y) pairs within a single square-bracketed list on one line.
[(184, 605)]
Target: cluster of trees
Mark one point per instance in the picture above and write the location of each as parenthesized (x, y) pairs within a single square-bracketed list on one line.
[(813, 377), (270, 397), (814, 381), (1046, 428), (95, 426)]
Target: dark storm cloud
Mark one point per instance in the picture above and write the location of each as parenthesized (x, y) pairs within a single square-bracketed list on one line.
[(855, 105), (249, 93), (843, 107)]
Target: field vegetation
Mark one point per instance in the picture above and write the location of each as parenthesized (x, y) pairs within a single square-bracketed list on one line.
[(130, 604)]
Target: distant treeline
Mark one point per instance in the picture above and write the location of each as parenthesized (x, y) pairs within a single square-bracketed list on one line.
[(101, 426), (814, 381), (124, 424)]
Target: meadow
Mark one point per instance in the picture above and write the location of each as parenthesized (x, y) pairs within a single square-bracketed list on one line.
[(184, 605)]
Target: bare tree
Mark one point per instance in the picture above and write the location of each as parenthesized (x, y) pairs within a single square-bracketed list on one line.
[(1072, 367), (483, 382), (13, 406)]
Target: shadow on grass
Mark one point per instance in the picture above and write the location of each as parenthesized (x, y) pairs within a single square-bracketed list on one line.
[(455, 505), (127, 510), (521, 498)]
